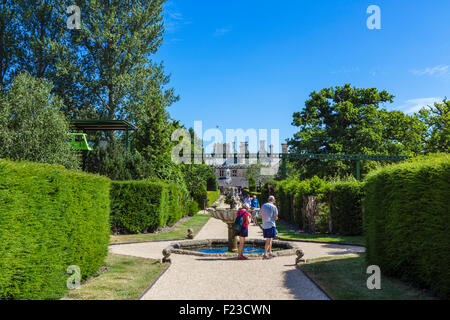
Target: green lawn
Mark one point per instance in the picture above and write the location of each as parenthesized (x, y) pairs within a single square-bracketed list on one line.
[(344, 278), (213, 196), (126, 279), (286, 233), (179, 232)]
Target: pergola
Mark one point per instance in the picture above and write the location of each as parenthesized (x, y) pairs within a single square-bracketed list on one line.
[(104, 125)]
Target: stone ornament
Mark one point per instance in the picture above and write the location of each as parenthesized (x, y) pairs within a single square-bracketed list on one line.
[(300, 253), (166, 253)]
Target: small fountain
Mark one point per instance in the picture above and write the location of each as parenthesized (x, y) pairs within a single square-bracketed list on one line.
[(228, 216)]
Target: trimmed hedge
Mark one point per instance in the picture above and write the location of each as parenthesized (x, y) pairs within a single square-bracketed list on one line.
[(50, 218), (338, 201), (145, 206), (345, 203), (407, 212)]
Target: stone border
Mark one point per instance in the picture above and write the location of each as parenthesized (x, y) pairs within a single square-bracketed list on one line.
[(184, 248)]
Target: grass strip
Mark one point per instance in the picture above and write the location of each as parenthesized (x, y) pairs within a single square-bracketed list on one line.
[(126, 279), (179, 232), (345, 278), (286, 233)]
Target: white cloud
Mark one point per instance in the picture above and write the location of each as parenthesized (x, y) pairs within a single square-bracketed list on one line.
[(439, 70), (221, 32), (173, 18), (414, 105)]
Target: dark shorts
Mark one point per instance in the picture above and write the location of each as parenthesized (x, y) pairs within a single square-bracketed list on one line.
[(270, 233), (244, 232)]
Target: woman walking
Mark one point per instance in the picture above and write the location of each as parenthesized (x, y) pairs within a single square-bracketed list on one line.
[(246, 217)]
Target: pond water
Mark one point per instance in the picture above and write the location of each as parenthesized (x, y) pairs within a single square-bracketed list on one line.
[(247, 250)]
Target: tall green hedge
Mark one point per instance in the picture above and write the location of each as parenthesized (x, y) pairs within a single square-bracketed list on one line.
[(145, 206), (339, 201), (50, 218), (406, 216), (345, 204)]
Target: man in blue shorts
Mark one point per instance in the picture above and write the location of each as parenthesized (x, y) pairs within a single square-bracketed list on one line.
[(269, 214)]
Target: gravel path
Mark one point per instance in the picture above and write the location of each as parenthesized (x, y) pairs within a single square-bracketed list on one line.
[(212, 278)]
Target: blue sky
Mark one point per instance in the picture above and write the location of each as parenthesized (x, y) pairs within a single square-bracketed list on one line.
[(252, 64)]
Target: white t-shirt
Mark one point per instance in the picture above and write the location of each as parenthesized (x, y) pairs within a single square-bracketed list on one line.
[(268, 213)]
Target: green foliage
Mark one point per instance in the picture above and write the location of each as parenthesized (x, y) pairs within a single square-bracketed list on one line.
[(338, 200), (437, 120), (406, 218), (32, 127), (192, 208), (196, 177), (177, 198), (145, 206), (252, 184), (345, 203), (211, 183), (50, 219), (351, 121)]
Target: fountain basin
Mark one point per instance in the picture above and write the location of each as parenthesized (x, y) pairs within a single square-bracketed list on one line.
[(280, 248)]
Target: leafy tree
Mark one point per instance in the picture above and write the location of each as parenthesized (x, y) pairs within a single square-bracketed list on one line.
[(437, 120), (8, 42), (348, 120), (32, 127)]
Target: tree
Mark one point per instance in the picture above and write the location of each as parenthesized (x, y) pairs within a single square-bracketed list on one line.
[(32, 127), (348, 120), (8, 42), (437, 120)]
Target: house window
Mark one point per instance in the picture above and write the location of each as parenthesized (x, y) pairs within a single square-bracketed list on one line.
[(234, 173)]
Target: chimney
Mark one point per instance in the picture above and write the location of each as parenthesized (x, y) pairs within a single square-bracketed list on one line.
[(284, 147), (262, 147), (271, 149)]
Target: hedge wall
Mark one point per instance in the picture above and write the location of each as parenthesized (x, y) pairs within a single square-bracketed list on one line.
[(407, 212), (50, 218), (345, 204), (338, 201), (145, 206)]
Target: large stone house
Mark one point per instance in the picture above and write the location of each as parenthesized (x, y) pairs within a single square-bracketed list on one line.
[(231, 172)]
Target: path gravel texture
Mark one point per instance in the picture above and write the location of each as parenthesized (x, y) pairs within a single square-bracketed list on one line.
[(213, 278)]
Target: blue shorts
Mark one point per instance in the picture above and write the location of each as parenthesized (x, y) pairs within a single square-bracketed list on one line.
[(270, 233), (244, 232)]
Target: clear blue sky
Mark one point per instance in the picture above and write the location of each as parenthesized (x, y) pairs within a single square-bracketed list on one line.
[(251, 64)]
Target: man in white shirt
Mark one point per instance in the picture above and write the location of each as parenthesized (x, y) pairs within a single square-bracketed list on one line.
[(269, 214)]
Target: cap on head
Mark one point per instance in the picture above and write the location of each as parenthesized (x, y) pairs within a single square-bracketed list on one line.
[(246, 206), (271, 199)]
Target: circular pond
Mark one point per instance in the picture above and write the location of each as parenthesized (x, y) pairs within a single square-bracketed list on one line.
[(219, 248)]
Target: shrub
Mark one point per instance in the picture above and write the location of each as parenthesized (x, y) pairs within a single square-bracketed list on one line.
[(139, 206), (406, 215), (146, 205), (345, 205), (309, 204), (32, 125), (50, 218), (192, 208), (176, 200), (211, 183)]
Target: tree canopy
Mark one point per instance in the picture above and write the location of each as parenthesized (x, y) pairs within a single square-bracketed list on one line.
[(349, 120)]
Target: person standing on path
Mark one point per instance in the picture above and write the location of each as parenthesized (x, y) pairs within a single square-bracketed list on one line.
[(269, 214), (244, 230), (255, 206)]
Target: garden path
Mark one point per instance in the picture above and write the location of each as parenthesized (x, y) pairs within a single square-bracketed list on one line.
[(212, 278)]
